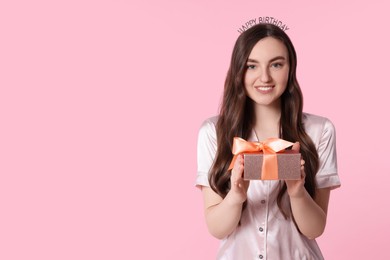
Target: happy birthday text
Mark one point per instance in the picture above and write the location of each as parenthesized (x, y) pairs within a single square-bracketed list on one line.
[(265, 19)]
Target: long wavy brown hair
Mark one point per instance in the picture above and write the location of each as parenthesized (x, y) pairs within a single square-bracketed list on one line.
[(236, 116)]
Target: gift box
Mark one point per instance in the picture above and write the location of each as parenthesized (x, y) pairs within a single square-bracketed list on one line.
[(267, 160), (288, 164)]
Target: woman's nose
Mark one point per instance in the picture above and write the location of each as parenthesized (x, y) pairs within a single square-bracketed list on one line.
[(265, 76)]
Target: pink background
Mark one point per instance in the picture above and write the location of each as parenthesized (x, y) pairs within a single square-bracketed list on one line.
[(101, 102)]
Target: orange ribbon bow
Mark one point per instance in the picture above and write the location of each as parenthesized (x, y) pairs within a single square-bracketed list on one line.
[(269, 147)]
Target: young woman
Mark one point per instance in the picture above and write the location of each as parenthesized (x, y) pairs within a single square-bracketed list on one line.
[(262, 99)]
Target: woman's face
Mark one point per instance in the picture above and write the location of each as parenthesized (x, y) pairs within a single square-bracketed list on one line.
[(267, 71)]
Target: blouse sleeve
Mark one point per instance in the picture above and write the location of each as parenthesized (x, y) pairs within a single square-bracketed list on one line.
[(327, 176), (206, 149)]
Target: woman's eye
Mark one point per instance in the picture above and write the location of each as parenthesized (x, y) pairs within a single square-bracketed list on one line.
[(277, 65), (251, 67)]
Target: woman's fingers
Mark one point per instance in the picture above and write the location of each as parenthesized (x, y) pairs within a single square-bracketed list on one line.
[(240, 184), (296, 147), (237, 174), (303, 174), (238, 167), (237, 184)]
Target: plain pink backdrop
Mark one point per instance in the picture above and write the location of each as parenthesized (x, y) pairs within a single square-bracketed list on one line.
[(101, 102)]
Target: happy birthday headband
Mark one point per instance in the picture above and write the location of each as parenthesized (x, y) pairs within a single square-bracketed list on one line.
[(265, 19)]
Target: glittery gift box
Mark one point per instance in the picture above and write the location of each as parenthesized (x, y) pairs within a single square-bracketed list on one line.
[(289, 166)]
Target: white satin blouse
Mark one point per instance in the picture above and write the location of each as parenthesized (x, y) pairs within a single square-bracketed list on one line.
[(264, 233)]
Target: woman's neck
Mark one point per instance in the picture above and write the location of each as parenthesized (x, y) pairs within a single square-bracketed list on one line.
[(267, 121)]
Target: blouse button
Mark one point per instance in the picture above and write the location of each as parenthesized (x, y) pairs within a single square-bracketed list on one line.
[(262, 201), (261, 256), (261, 229)]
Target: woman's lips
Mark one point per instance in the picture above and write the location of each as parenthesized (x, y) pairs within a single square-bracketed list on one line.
[(264, 89)]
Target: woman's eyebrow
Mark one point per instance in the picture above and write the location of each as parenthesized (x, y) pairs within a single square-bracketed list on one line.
[(277, 58), (271, 60)]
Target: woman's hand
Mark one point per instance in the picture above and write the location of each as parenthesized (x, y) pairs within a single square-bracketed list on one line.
[(239, 186), (224, 214), (309, 214), (296, 188)]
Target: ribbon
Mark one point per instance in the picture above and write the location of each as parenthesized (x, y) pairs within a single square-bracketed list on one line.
[(269, 147)]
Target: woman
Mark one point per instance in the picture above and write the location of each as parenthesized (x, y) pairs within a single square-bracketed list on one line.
[(262, 99)]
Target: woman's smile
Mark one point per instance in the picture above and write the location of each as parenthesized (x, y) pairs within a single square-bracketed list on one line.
[(265, 89)]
